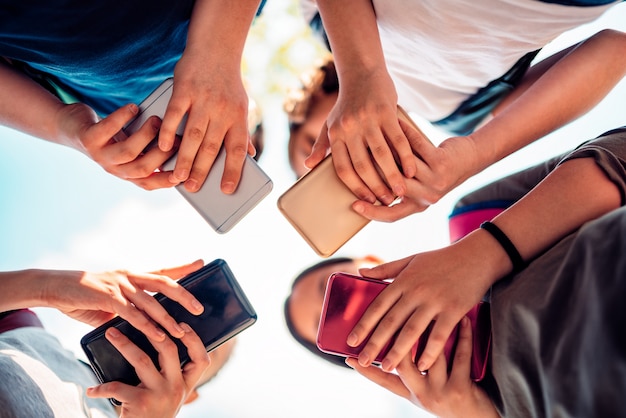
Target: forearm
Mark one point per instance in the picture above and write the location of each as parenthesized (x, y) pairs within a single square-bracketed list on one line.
[(576, 192), (353, 35), (567, 90), (27, 288), (27, 107), (219, 29)]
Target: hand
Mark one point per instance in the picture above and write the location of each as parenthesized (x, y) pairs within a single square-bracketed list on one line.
[(104, 142), (95, 298), (366, 139), (440, 286), (439, 170), (216, 102), (445, 396), (161, 393)]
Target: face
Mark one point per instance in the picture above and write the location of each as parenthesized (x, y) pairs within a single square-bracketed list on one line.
[(307, 296), (302, 138)]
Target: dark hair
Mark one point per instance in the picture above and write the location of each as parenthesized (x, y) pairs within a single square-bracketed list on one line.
[(312, 347)]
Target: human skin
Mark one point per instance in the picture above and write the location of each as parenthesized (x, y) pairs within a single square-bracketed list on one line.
[(434, 286)]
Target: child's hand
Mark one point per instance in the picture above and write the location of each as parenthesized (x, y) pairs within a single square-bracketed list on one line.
[(213, 96), (366, 139), (104, 142), (445, 396), (95, 298), (161, 393), (440, 286), (439, 170)]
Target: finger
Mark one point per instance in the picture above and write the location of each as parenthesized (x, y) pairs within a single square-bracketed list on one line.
[(420, 144), (108, 127), (116, 390), (129, 149), (438, 373), (409, 334), (441, 331), (174, 114), (389, 381), (137, 358), (236, 142), (402, 145), (346, 173), (371, 318), (154, 181), (198, 139), (462, 363), (319, 150), (170, 288), (199, 359), (388, 270), (179, 271), (383, 213), (155, 311), (375, 165)]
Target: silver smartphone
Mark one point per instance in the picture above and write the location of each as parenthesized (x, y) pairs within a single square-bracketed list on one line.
[(221, 211)]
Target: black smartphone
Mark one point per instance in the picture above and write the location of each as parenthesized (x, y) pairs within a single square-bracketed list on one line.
[(227, 312)]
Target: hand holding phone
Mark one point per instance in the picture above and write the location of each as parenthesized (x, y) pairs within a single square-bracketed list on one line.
[(319, 206), (348, 296), (221, 211), (227, 312)]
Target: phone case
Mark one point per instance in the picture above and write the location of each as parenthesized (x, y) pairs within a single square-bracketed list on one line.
[(348, 296), (319, 206), (221, 211), (227, 312)]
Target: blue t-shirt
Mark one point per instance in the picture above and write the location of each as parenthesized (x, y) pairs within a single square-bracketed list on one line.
[(105, 54)]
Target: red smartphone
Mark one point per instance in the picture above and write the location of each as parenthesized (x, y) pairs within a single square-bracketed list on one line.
[(348, 296)]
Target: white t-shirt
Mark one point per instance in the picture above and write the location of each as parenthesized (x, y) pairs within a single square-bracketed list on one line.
[(440, 52), (39, 378)]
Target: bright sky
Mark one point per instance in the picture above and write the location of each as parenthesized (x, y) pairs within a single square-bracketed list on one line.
[(61, 210)]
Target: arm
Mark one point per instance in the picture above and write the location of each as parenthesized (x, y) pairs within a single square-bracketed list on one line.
[(568, 89), (435, 285), (77, 126), (445, 396), (208, 86), (364, 118), (95, 298)]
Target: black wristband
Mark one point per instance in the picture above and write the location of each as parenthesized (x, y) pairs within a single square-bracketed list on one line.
[(507, 245)]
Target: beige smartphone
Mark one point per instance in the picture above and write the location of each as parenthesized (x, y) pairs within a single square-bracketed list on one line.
[(319, 206)]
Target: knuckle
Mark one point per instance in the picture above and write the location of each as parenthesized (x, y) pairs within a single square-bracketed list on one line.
[(210, 147), (194, 134)]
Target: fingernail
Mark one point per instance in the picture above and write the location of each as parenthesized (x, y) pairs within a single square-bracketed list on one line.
[(133, 108), (191, 185), (352, 339), (398, 190), (386, 365), (185, 327), (159, 332), (197, 306), (465, 321), (181, 175), (421, 366), (179, 328), (364, 360), (114, 332), (228, 187), (358, 208)]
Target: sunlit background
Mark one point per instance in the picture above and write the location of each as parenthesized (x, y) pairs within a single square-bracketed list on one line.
[(60, 210)]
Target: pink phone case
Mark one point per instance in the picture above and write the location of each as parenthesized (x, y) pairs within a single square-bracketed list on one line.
[(348, 296)]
